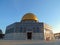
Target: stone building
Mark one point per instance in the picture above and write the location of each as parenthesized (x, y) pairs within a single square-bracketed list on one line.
[(57, 35), (29, 28), (1, 34)]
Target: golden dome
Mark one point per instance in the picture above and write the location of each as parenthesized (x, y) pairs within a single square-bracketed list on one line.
[(29, 16)]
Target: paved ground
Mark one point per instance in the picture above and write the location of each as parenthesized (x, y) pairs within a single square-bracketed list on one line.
[(29, 42)]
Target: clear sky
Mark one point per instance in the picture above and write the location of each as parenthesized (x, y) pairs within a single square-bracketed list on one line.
[(47, 11)]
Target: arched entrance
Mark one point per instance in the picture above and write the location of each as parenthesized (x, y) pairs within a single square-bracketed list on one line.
[(29, 35)]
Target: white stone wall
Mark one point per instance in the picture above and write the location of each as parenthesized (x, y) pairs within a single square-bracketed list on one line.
[(38, 36), (23, 36), (15, 36)]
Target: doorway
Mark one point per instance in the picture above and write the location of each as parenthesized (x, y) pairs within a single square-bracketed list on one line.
[(29, 35)]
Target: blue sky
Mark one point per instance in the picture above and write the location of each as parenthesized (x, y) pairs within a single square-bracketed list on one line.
[(47, 11)]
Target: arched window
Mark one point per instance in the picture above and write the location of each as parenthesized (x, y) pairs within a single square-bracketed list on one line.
[(24, 30), (20, 30), (36, 30)]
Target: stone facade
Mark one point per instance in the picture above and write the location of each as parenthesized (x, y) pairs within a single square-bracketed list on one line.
[(29, 28), (20, 31)]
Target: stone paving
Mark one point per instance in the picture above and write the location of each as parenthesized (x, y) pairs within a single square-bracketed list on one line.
[(29, 42)]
